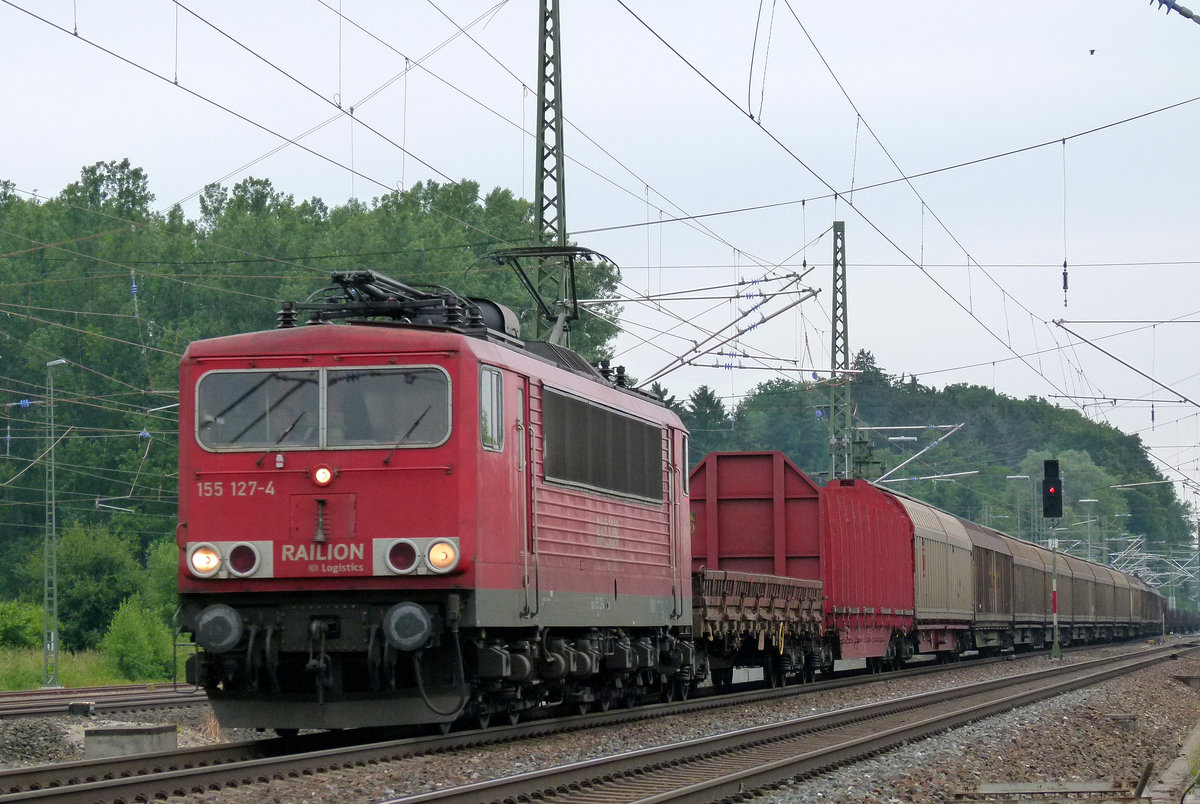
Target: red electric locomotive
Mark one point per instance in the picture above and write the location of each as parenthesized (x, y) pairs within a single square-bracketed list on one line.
[(422, 519)]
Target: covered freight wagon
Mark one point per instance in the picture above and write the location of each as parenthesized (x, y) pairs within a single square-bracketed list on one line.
[(992, 558), (867, 540)]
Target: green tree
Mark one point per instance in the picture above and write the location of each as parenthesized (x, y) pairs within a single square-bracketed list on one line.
[(709, 423), (666, 397), (20, 624), (96, 571), (137, 644), (162, 579), (788, 416)]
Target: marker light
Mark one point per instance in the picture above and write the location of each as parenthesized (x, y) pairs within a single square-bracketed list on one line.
[(402, 557), (243, 559), (204, 561), (322, 475), (442, 557)]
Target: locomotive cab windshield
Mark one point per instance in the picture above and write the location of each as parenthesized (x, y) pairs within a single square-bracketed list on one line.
[(323, 408)]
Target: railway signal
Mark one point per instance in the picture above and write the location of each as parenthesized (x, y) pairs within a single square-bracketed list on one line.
[(1052, 497)]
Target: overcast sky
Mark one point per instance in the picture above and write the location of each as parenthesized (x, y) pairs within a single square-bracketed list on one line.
[(681, 109)]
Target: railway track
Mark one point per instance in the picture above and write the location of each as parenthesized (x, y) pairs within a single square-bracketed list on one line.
[(97, 700), (152, 776), (728, 766), (64, 775)]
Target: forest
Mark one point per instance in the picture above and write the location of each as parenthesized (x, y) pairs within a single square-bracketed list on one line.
[(97, 277)]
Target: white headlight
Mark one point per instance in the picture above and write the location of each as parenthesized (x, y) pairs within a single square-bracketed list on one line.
[(204, 560), (442, 556)]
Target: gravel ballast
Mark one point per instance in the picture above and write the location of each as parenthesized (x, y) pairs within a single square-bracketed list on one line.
[(1085, 735)]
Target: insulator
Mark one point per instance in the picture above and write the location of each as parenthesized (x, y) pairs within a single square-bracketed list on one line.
[(475, 318), (452, 312), (287, 315)]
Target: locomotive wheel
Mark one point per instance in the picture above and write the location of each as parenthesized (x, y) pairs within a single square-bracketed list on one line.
[(483, 719), (583, 707)]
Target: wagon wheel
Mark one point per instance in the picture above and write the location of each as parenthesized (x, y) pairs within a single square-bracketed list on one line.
[(891, 660), (773, 672)]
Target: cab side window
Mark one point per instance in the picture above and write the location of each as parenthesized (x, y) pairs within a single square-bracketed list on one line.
[(491, 409)]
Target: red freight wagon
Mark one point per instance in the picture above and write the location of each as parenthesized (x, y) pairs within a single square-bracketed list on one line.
[(870, 597), (756, 566)]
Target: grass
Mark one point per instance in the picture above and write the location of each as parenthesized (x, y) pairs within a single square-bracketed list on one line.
[(22, 669)]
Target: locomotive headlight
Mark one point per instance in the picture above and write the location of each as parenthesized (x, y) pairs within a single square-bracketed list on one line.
[(442, 556), (204, 560), (322, 475)]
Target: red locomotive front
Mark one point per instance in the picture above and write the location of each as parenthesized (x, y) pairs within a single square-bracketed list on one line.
[(385, 524)]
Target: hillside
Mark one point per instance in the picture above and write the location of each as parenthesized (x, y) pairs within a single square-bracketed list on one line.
[(1002, 444)]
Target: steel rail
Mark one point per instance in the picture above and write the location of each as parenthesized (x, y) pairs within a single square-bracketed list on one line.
[(66, 774), (40, 703), (167, 773), (726, 766)]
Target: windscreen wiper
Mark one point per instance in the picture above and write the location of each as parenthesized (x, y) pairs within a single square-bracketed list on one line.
[(404, 437)]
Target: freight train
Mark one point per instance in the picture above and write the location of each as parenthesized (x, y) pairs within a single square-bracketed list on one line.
[(897, 577), (414, 517)]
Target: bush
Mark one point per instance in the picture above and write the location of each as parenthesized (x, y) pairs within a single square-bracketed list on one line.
[(20, 625), (162, 571), (137, 644)]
